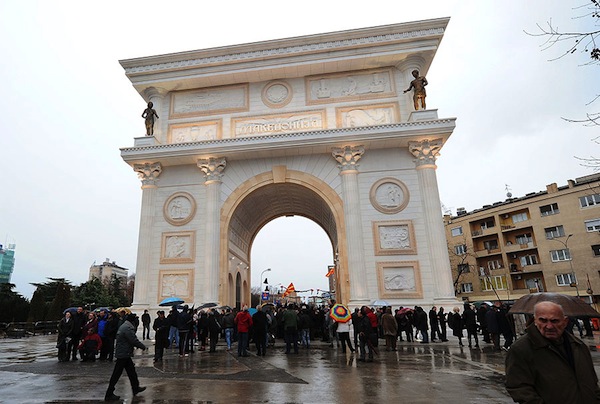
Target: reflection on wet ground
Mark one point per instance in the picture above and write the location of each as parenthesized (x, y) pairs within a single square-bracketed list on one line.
[(415, 373)]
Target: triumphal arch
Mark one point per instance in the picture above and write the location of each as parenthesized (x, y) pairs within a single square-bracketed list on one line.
[(318, 126)]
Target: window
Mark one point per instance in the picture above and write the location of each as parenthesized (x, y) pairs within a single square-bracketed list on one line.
[(592, 225), (460, 249), (457, 231), (551, 209), (490, 245), (528, 260), (565, 279), (596, 250), (463, 268), (466, 287), (494, 264), (560, 255), (519, 217), (524, 239), (554, 232), (487, 224), (589, 200), (494, 282)]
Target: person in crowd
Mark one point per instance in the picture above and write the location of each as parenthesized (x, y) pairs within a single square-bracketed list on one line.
[(434, 324), (290, 326), (259, 327), (64, 337), (146, 325), (202, 330), (161, 335), (243, 322), (456, 323), (343, 331), (481, 312), (102, 322), (331, 327), (491, 319), (404, 324), (183, 326), (77, 334), (356, 319), (470, 323), (367, 336), (90, 346), (390, 329), (505, 327), (173, 331), (126, 342), (549, 365), (91, 322), (228, 325), (421, 324), (110, 333), (304, 325), (442, 320), (214, 329)]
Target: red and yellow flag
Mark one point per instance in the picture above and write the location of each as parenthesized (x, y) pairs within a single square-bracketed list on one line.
[(331, 271), (290, 289)]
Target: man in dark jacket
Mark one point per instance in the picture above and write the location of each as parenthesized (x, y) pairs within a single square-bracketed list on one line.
[(548, 365), (161, 335), (481, 312), (259, 326), (421, 323), (146, 325), (470, 322), (126, 341), (367, 334), (77, 334), (434, 324)]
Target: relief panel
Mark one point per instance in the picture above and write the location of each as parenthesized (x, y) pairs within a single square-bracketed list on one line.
[(394, 237), (176, 283), (178, 247), (194, 132), (207, 101), (399, 280), (367, 115)]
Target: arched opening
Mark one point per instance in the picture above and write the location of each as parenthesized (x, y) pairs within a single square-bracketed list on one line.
[(260, 200), (238, 291)]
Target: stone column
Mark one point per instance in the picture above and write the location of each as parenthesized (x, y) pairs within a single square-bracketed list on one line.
[(426, 153), (213, 170), (347, 158), (148, 174), (156, 96)]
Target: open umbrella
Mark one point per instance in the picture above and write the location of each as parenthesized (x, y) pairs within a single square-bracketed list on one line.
[(340, 313), (125, 309), (171, 301), (71, 309), (572, 306), (380, 303), (252, 310), (207, 305)]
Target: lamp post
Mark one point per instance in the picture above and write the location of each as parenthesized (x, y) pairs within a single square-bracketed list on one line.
[(261, 276), (573, 277)]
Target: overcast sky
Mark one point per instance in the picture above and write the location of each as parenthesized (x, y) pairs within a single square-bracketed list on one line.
[(66, 107)]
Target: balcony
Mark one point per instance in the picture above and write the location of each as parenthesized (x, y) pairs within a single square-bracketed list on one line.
[(486, 252), (483, 232), (511, 248)]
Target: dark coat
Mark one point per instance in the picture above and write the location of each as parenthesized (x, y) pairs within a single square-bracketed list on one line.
[(537, 372), (126, 341), (491, 319), (456, 324), (470, 320), (259, 324)]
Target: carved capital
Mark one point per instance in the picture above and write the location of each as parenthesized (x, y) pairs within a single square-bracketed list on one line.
[(425, 151), (348, 157), (151, 93), (212, 168), (148, 173)]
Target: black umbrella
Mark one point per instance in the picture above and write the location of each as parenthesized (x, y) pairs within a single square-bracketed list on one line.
[(207, 305), (572, 306)]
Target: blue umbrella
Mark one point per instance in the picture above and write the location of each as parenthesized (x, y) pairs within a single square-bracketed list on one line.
[(171, 301), (252, 310), (71, 309)]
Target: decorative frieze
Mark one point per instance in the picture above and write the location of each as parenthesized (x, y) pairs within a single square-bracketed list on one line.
[(367, 115), (209, 101), (195, 132), (280, 123)]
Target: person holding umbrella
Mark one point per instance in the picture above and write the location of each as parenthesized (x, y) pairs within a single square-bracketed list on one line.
[(341, 315)]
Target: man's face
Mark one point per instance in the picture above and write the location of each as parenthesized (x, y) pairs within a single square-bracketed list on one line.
[(550, 321)]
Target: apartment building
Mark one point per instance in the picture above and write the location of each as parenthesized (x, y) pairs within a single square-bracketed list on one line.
[(546, 241)]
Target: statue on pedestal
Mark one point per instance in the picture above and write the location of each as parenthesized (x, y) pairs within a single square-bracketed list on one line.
[(418, 84), (149, 114)]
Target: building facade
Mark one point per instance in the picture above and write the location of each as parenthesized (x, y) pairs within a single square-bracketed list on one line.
[(317, 126), (106, 270), (7, 262), (546, 241)]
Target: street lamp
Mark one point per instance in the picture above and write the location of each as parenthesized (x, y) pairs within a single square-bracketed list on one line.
[(261, 276), (573, 277)]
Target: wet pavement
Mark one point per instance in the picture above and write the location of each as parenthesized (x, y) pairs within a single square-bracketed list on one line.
[(415, 373)]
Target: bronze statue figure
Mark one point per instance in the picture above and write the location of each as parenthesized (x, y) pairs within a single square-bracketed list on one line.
[(149, 115), (418, 84)]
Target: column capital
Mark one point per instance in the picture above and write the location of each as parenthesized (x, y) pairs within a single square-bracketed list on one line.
[(148, 173), (212, 168), (426, 152), (348, 157), (153, 92)]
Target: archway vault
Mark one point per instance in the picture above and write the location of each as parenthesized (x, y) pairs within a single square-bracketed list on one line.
[(270, 195)]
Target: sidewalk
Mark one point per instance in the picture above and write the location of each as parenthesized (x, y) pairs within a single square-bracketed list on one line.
[(415, 373)]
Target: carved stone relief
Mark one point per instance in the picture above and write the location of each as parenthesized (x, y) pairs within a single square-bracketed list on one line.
[(394, 237), (179, 208), (281, 123), (194, 132), (399, 280), (389, 195), (206, 101), (356, 116), (178, 247), (277, 94), (176, 283), (369, 84)]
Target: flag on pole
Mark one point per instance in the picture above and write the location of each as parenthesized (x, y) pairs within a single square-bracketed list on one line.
[(290, 289), (331, 271)]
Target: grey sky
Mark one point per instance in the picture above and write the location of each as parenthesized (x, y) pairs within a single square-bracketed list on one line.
[(69, 200)]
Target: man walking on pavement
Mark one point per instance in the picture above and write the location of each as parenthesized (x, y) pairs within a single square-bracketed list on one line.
[(126, 341)]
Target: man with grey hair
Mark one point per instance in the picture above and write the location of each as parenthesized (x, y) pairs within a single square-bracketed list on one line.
[(549, 365)]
